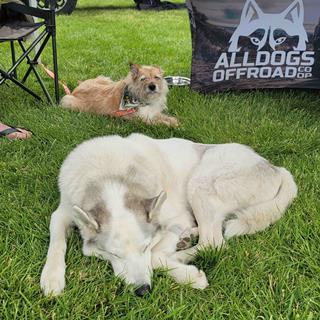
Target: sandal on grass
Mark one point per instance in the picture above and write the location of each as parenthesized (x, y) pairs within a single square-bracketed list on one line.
[(13, 133)]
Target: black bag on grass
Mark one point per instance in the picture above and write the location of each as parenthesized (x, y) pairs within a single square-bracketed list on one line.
[(247, 44), (155, 4)]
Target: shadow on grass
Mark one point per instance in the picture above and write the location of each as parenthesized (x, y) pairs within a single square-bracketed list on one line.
[(104, 8), (110, 8), (303, 94)]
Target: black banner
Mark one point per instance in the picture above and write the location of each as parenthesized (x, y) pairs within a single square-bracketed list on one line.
[(246, 44)]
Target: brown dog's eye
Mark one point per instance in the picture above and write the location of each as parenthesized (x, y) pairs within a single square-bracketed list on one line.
[(142, 78), (157, 77)]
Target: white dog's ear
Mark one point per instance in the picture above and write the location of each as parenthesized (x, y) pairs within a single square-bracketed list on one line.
[(84, 219), (134, 69), (154, 204)]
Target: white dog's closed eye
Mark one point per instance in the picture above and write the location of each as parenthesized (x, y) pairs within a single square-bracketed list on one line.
[(108, 252), (155, 240), (146, 245), (113, 254)]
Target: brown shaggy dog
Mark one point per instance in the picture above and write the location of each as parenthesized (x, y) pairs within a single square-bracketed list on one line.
[(145, 84)]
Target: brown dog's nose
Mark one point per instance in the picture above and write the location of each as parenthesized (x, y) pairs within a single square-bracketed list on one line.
[(141, 291), (152, 87)]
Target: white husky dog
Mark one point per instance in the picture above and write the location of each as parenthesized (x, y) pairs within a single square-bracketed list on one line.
[(134, 199)]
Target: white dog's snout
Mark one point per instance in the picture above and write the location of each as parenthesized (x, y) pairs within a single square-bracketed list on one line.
[(135, 269)]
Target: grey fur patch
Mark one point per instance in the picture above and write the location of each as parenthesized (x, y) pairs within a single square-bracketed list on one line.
[(137, 205), (144, 208), (100, 213), (134, 199), (92, 195), (94, 205)]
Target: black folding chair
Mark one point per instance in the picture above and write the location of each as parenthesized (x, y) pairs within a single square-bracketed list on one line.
[(14, 28)]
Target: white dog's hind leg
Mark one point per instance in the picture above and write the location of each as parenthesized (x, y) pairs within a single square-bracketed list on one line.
[(209, 211), (208, 208), (52, 277), (180, 272), (260, 216)]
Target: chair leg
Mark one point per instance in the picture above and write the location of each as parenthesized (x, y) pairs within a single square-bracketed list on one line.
[(13, 58), (36, 57), (9, 75), (21, 58), (52, 34), (40, 42), (19, 84), (55, 68), (54, 51), (31, 67), (18, 62)]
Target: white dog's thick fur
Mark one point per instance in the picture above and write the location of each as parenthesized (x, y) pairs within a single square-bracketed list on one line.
[(134, 198)]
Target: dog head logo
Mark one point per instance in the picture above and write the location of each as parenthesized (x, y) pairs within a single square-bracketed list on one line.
[(270, 29)]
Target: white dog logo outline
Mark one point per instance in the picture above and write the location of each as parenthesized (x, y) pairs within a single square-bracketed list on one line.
[(253, 18)]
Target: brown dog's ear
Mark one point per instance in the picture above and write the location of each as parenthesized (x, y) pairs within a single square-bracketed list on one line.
[(134, 70), (160, 70)]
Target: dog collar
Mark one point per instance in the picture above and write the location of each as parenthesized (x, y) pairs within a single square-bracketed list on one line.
[(129, 103), (129, 100), (122, 113)]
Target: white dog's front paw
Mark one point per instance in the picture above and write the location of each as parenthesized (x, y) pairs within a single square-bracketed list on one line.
[(200, 282), (52, 279), (197, 278), (186, 238)]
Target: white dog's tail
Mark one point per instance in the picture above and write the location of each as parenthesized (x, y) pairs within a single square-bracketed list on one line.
[(259, 217)]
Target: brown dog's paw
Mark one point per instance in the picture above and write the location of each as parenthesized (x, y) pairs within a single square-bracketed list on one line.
[(169, 121), (162, 119), (174, 122)]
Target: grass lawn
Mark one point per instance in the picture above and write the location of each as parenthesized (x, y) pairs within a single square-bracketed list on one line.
[(274, 274)]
